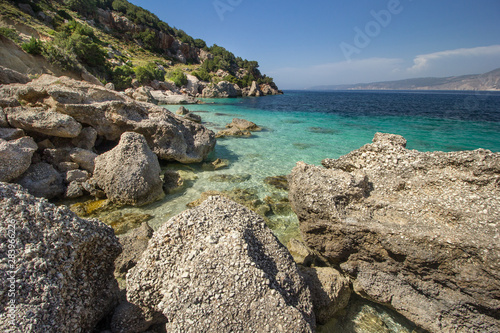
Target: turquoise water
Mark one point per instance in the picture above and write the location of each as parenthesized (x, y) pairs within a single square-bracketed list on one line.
[(312, 126)]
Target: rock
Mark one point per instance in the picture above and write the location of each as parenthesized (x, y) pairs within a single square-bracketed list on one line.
[(43, 121), (92, 208), (243, 125), (238, 127), (279, 182), (329, 289), (77, 175), (216, 165), (86, 139), (172, 182), (230, 178), (9, 134), (160, 97), (142, 94), (129, 318), (3, 119), (255, 90), (110, 86), (193, 85), (245, 197), (181, 111), (63, 265), (303, 255), (185, 268), (178, 99), (129, 174), (123, 222), (45, 144), (415, 230), (15, 157), (267, 89), (43, 181), (74, 190), (223, 89), (233, 131), (9, 76), (193, 117), (111, 114), (134, 243), (279, 205), (67, 166), (84, 158), (56, 156)]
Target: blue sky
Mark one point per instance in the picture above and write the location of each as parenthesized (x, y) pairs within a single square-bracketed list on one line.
[(303, 44)]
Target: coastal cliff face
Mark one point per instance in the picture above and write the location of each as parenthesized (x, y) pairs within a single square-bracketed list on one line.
[(418, 232)]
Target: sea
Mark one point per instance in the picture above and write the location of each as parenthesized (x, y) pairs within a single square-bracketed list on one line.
[(310, 126)]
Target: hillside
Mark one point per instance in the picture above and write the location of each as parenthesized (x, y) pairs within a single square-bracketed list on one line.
[(484, 82), (116, 42)]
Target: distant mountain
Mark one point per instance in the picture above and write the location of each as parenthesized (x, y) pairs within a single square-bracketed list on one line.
[(486, 82)]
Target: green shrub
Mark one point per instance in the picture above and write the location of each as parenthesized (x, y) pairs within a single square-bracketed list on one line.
[(121, 76), (203, 75), (178, 77), (148, 73), (60, 57), (34, 46)]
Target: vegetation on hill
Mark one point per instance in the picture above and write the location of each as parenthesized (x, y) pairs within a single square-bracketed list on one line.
[(71, 34)]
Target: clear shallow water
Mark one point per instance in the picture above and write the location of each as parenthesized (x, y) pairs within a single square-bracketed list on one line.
[(312, 126)]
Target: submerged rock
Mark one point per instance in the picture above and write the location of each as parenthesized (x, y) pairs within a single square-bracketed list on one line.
[(129, 174), (280, 182), (63, 268), (219, 163), (416, 231), (218, 268)]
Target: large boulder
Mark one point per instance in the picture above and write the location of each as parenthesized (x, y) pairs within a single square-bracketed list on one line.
[(416, 231), (56, 270), (223, 89), (15, 157), (39, 120), (110, 114), (219, 268), (129, 174)]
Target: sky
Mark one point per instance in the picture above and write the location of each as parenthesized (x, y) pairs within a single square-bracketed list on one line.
[(327, 42)]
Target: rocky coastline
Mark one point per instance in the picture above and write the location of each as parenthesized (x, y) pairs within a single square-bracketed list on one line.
[(416, 232)]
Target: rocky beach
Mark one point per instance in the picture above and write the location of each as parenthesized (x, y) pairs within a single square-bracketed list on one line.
[(416, 232), (152, 183)]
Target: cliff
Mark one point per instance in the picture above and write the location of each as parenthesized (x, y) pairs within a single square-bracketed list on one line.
[(120, 43)]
